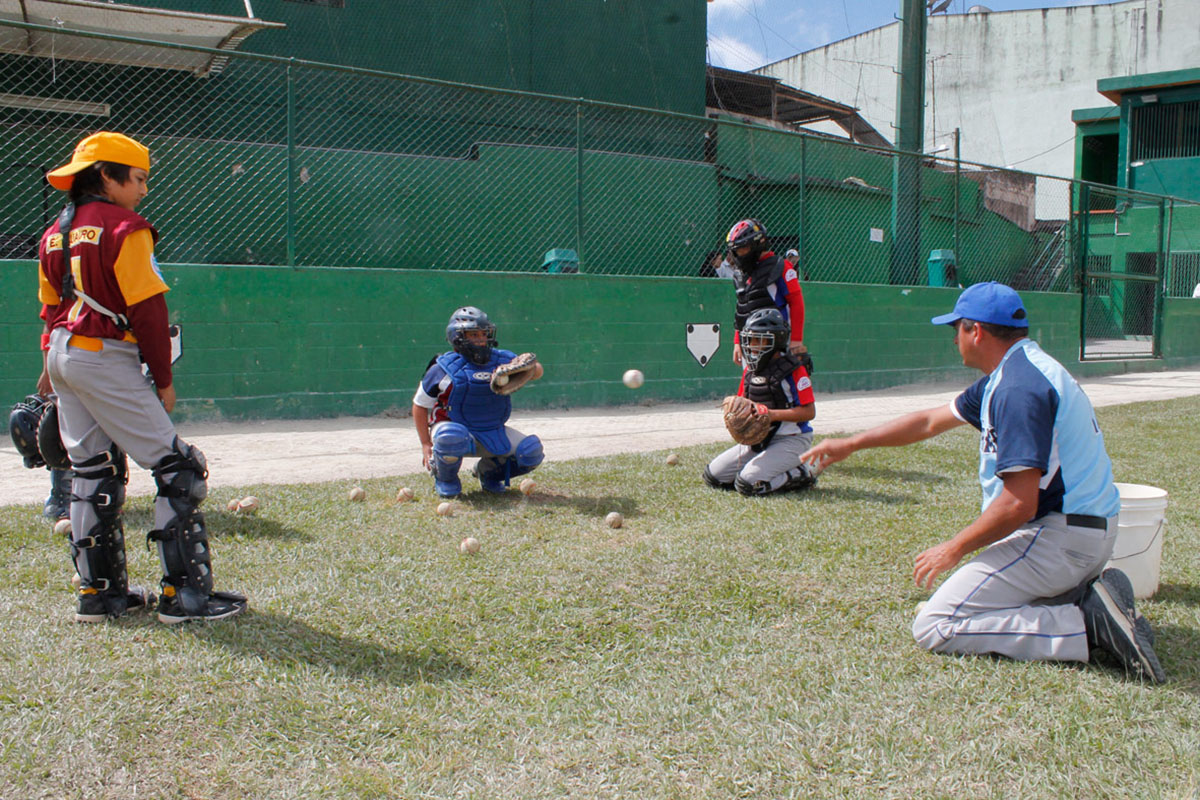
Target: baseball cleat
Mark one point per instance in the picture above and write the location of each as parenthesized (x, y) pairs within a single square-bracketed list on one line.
[(1114, 626), (91, 607), (218, 605)]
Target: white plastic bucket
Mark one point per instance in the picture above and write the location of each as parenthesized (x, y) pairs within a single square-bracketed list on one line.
[(1140, 529)]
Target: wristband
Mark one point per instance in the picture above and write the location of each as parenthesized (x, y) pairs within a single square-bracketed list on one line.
[(45, 341)]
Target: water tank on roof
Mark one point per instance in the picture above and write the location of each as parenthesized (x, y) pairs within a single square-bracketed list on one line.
[(978, 10)]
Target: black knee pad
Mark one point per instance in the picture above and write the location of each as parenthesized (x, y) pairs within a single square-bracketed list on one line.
[(751, 489), (712, 481), (183, 539)]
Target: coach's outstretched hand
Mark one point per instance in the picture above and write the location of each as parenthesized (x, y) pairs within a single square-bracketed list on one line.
[(828, 451)]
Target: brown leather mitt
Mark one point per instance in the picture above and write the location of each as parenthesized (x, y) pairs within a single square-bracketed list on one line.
[(747, 422), (507, 378)]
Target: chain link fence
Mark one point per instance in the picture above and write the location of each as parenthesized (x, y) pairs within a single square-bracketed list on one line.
[(275, 161)]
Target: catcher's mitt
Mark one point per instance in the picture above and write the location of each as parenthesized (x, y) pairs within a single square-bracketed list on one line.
[(747, 422), (507, 378)]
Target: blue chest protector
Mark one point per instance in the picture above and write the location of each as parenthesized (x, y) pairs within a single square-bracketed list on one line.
[(472, 402)]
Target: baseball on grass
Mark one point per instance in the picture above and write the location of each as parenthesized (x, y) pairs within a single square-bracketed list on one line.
[(404, 495), (76, 581), (614, 519), (63, 527), (469, 545), (233, 504), (528, 486), (445, 510), (357, 494), (248, 505), (672, 459), (633, 378)]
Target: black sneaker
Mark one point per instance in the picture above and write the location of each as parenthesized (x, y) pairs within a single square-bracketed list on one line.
[(94, 608), (1114, 626), (218, 605)]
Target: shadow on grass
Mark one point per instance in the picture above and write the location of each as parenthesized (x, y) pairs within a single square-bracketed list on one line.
[(587, 506), (844, 494), (884, 473), (289, 641), (220, 523), (1176, 647), (1178, 593)]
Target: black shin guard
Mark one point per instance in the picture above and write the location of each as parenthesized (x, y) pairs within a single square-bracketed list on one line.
[(180, 531), (98, 547)]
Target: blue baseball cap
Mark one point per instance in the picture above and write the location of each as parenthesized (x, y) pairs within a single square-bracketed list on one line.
[(987, 302)]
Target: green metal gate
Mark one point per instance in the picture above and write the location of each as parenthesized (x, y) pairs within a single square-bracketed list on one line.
[(1122, 253)]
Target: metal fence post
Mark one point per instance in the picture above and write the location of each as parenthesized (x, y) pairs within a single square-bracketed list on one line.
[(579, 182), (291, 166)]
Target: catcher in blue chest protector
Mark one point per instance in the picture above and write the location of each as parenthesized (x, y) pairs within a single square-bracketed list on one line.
[(768, 417), (462, 406)]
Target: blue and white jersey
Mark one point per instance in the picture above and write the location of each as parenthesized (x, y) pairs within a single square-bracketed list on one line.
[(1030, 412)]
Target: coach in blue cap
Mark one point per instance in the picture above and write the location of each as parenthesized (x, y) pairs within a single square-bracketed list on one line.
[(1035, 590)]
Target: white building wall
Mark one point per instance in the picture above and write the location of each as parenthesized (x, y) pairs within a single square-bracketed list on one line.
[(1009, 80)]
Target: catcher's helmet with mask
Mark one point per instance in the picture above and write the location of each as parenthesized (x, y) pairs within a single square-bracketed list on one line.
[(765, 332), (469, 318), (746, 233)]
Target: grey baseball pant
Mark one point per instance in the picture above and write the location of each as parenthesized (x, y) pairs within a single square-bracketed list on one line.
[(771, 465), (1002, 600)]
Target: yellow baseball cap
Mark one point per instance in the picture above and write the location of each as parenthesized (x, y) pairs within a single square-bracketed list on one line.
[(116, 148)]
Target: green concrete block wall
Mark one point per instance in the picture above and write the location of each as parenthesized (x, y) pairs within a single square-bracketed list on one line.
[(275, 342)]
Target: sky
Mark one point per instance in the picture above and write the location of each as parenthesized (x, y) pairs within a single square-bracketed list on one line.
[(746, 34)]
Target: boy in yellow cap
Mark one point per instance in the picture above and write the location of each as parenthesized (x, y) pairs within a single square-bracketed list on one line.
[(103, 303)]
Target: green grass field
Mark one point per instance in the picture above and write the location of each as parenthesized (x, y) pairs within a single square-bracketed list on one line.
[(715, 646)]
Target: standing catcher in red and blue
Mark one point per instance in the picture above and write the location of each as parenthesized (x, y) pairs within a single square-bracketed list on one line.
[(764, 280), (105, 313), (462, 406)]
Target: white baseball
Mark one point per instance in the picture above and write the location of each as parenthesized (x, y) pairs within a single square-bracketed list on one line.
[(76, 581), (404, 495), (469, 545), (248, 505), (63, 527), (445, 510), (633, 378), (501, 380), (614, 519), (357, 494), (528, 486), (672, 459), (232, 505)]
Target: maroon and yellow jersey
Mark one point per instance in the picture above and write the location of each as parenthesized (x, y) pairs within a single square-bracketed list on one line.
[(112, 259)]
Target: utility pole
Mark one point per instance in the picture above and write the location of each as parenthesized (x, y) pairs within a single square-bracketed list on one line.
[(910, 138)]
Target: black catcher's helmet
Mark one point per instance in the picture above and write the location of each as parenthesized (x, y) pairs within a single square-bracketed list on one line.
[(469, 318), (23, 427), (50, 440), (746, 233), (765, 332)]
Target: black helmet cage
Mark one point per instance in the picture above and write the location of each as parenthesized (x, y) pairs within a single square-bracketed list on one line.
[(768, 323), (469, 318)]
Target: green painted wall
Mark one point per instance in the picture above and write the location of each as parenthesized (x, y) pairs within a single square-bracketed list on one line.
[(270, 342), (637, 52)]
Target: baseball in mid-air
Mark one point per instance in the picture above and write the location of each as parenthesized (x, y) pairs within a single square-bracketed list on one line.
[(528, 486), (63, 527), (633, 378), (248, 505), (357, 494), (672, 459), (614, 519), (404, 495), (445, 510), (469, 545)]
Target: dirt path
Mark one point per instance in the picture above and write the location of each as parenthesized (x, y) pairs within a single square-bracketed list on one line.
[(302, 451)]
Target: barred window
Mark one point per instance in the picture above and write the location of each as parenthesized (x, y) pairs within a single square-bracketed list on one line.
[(1185, 274), (1169, 130)]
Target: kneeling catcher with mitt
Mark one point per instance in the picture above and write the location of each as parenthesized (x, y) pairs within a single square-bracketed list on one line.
[(507, 378), (746, 421)]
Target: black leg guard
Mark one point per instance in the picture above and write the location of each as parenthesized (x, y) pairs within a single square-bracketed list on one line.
[(800, 477), (98, 537), (183, 540), (712, 481)]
